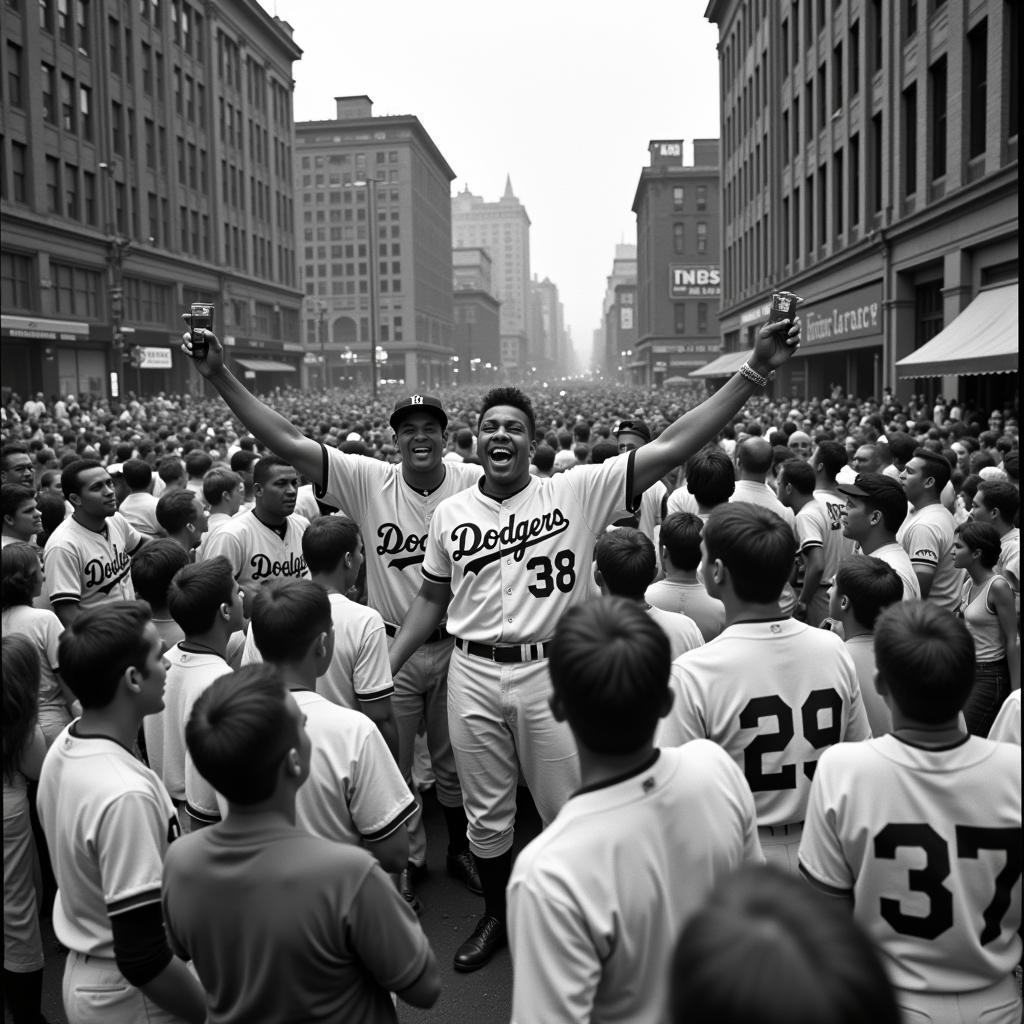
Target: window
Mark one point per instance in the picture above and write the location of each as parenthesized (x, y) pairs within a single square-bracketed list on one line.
[(46, 15), (702, 197), (19, 160), (147, 69), (65, 28), (875, 35), (837, 77), (877, 142), (702, 236), (16, 281), (855, 59), (927, 311), (14, 75), (85, 111), (785, 137), (838, 196), (71, 209), (910, 22), (149, 135), (678, 196), (822, 100), (822, 207), (89, 197), (977, 87), (854, 180), (796, 126), (52, 183), (910, 139), (49, 88), (114, 35), (937, 81), (679, 318), (809, 214), (678, 239), (116, 127), (702, 318), (785, 231), (76, 289), (67, 103), (784, 44)]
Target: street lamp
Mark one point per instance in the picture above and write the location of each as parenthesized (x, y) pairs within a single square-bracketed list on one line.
[(117, 248), (370, 184)]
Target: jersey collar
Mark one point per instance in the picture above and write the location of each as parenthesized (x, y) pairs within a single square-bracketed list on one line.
[(624, 777)]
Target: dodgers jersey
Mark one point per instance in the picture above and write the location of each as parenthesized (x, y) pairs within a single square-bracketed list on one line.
[(87, 567), (929, 844), (514, 565), (256, 551), (927, 537), (393, 518), (774, 694)]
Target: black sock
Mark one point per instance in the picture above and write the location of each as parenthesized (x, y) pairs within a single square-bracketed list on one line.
[(455, 819), (23, 994), (494, 875)]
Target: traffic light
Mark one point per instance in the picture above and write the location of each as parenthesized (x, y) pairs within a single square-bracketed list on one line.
[(135, 357), (116, 304)]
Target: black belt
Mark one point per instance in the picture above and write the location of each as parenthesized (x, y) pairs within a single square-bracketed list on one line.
[(781, 830), (438, 634), (503, 653)]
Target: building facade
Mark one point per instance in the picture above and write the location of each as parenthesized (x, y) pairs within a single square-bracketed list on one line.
[(366, 183), (547, 329), (677, 209), (124, 132), (607, 352), (869, 164), (503, 229), (477, 338), (620, 331)]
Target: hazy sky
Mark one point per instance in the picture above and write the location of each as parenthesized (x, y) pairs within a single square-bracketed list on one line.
[(564, 95)]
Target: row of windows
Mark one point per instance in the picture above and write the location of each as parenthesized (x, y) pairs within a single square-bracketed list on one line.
[(679, 197), (679, 317), (342, 159), (346, 333), (679, 238)]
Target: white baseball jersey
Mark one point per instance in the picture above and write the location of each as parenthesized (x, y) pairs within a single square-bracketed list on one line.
[(760, 494), (825, 531), (393, 518), (189, 674), (355, 791), (927, 537), (89, 568), (359, 671), (597, 900), (139, 509), (305, 503), (1006, 727), (693, 600), (257, 552), (1009, 558), (861, 650), (514, 566), (108, 822), (682, 632), (213, 523), (681, 500), (928, 842), (774, 694), (894, 556)]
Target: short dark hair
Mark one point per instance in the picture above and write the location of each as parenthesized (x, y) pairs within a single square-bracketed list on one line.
[(266, 467), (754, 455), (888, 498), (1001, 496), (198, 463), (197, 592), (170, 469), (9, 449), (680, 536), (176, 509), (154, 565), (217, 481), (70, 477), (1011, 465), (801, 941), (925, 658), (326, 541), (755, 545), (870, 584), (610, 664), (19, 566), (980, 536), (627, 561), (239, 732), (832, 457), (137, 474), (13, 496), (901, 446), (544, 457), (287, 615), (602, 451), (800, 475), (99, 646), (935, 466), (513, 397), (242, 461), (710, 476)]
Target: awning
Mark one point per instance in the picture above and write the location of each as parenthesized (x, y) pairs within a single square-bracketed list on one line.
[(270, 365), (982, 339), (723, 366)]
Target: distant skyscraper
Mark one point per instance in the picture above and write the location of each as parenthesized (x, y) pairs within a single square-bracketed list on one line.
[(503, 229), (337, 164), (607, 352), (547, 333), (477, 317)]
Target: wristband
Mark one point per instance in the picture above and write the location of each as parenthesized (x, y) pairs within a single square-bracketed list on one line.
[(746, 370)]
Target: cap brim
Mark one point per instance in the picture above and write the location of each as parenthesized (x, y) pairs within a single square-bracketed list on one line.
[(438, 414), (853, 490)]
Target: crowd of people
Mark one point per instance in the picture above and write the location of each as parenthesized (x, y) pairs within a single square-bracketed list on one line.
[(755, 660)]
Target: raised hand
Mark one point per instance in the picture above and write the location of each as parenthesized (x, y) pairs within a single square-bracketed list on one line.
[(213, 361), (776, 343)]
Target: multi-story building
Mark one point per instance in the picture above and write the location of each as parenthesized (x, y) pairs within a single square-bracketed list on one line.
[(547, 331), (607, 352), (620, 332), (367, 183), (477, 339), (677, 211), (869, 164), (146, 164), (503, 229)]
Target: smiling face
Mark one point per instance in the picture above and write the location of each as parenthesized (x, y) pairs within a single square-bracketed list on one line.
[(505, 447), (421, 441)]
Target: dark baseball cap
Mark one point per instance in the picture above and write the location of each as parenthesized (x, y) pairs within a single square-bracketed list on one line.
[(418, 403), (873, 486), (637, 427)]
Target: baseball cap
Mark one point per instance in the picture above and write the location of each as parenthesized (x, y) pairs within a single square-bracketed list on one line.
[(873, 486), (633, 427), (418, 403), (353, 435)]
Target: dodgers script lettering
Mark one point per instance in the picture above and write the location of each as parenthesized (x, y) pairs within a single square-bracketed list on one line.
[(264, 566), (394, 542), (512, 539)]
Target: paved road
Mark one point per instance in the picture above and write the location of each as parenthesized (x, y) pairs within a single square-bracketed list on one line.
[(449, 914)]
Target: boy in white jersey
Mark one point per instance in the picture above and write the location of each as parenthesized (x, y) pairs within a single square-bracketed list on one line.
[(108, 822), (772, 691), (596, 901), (206, 602), (921, 829), (392, 505)]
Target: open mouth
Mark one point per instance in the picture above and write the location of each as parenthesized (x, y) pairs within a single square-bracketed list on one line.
[(500, 455), (422, 450)]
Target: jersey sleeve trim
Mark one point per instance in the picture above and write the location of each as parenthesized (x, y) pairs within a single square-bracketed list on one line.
[(629, 499), (824, 887), (811, 542), (206, 817), (432, 578), (369, 698), (133, 902), (64, 597), (393, 825), (320, 490)]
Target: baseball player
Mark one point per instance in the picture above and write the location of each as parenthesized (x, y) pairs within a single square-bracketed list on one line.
[(87, 560), (108, 822), (922, 829), (392, 505), (506, 559), (597, 900), (792, 689)]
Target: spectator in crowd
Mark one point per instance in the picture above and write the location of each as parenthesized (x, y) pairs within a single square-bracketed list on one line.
[(223, 491), (182, 518), (153, 568), (16, 465), (139, 506), (753, 459), (564, 457), (197, 464), (998, 503), (171, 472), (543, 462), (710, 482), (22, 521), (800, 444)]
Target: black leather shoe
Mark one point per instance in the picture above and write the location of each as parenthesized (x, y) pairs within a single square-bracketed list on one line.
[(463, 867), (488, 937), (407, 879)]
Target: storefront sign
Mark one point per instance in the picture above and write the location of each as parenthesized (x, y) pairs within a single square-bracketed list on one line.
[(856, 314), (758, 313), (154, 358), (626, 318), (687, 282)]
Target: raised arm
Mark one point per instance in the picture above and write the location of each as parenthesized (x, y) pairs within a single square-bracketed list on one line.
[(279, 434), (775, 344)]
